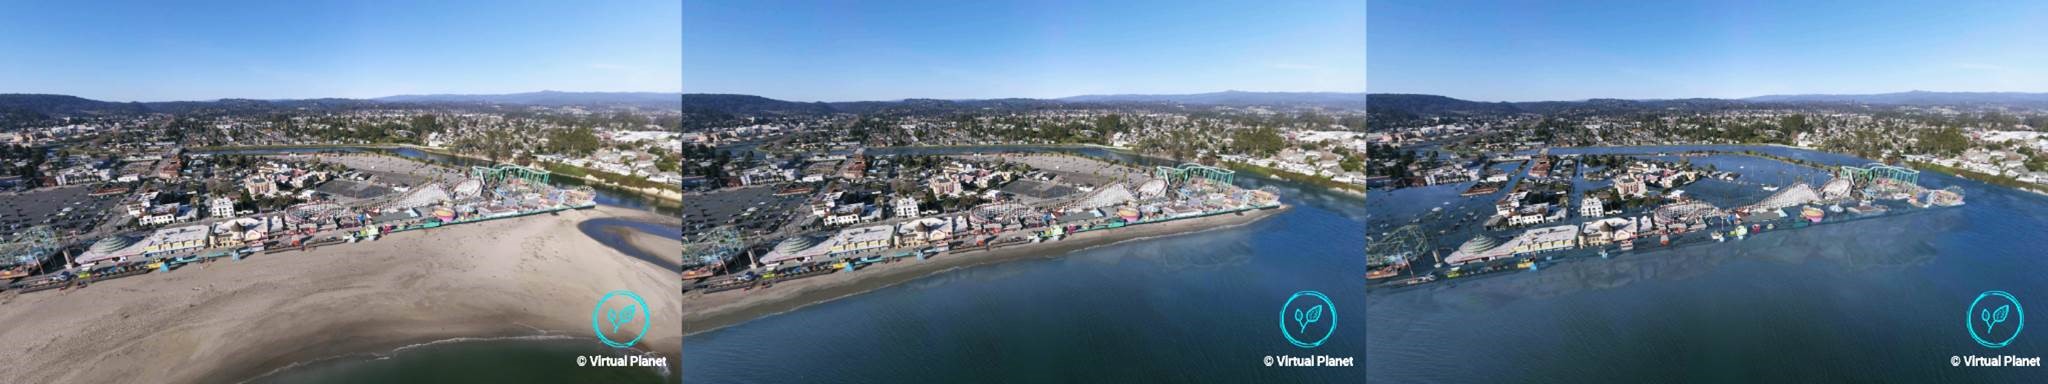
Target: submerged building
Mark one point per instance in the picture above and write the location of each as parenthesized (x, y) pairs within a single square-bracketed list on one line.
[(1480, 249)]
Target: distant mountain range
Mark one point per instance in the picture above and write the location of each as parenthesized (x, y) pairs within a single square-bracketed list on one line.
[(718, 109), (17, 109), (20, 109), (750, 104), (708, 106), (709, 109), (1414, 101), (1915, 98), (549, 98), (1240, 98), (1392, 109)]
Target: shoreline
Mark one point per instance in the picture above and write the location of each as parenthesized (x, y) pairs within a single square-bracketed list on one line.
[(1324, 183), (230, 321), (1347, 189), (712, 311)]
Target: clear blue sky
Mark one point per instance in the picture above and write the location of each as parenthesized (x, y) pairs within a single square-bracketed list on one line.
[(172, 50), (845, 50), (1554, 50)]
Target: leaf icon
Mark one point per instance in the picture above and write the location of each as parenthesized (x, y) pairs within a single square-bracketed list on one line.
[(1999, 317), (1314, 313), (1984, 315), (1298, 319), (620, 316)]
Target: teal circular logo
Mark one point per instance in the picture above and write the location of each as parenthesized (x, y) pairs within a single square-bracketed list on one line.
[(612, 318), (1989, 318), (1309, 316)]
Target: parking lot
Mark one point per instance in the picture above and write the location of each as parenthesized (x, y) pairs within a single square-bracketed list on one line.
[(750, 209), (63, 209)]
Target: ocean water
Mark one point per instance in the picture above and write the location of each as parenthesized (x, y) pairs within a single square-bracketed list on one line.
[(1881, 300), (1196, 307)]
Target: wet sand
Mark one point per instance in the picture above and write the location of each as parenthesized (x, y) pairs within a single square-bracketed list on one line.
[(228, 321), (709, 311), (667, 249)]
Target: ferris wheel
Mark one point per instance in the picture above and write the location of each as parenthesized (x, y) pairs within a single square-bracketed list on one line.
[(28, 246), (1397, 246), (712, 246)]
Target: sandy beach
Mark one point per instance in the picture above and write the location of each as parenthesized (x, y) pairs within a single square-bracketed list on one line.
[(228, 321), (709, 311)]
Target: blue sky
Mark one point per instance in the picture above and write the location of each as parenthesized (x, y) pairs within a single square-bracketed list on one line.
[(1543, 50), (844, 50), (162, 50)]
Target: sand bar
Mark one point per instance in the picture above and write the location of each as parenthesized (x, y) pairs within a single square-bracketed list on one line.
[(232, 320)]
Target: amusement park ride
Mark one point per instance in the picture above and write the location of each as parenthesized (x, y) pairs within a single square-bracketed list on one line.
[(707, 254), (1187, 172), (26, 252), (1390, 254)]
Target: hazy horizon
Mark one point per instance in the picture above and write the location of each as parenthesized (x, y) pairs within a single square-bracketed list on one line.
[(1705, 97)]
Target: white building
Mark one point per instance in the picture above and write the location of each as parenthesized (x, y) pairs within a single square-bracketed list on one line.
[(1547, 239), (860, 239), (906, 206), (1591, 207), (221, 207), (1534, 214), (175, 239), (166, 214), (945, 186), (153, 220), (842, 219), (1449, 174), (1630, 186)]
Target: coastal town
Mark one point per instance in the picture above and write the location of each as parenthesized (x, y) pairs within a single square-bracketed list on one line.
[(625, 145), (1307, 142), (1998, 143), (878, 209), (786, 205), (340, 192), (1533, 188), (88, 198), (223, 219)]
